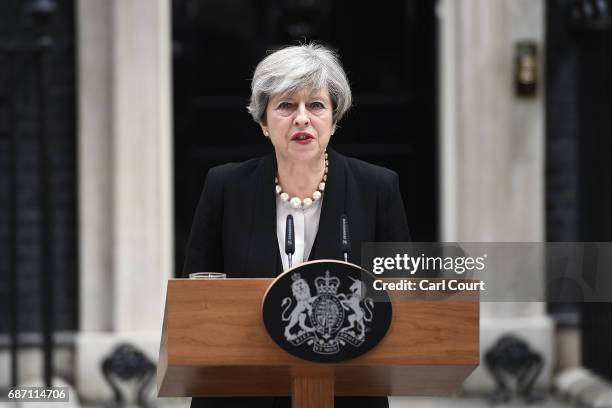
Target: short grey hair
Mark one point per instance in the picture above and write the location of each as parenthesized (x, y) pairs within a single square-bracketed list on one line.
[(310, 66)]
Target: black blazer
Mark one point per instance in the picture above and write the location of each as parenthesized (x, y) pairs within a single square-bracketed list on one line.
[(234, 231)]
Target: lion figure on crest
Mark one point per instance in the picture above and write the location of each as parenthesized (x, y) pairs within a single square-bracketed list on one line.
[(303, 307)]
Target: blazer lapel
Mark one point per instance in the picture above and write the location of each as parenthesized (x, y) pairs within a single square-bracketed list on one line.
[(329, 235), (264, 257)]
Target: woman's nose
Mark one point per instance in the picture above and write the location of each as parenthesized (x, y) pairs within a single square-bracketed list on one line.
[(301, 116)]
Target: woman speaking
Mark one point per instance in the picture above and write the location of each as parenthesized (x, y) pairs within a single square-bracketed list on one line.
[(298, 96)]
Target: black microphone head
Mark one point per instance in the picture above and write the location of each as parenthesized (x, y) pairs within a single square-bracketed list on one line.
[(289, 236), (346, 236)]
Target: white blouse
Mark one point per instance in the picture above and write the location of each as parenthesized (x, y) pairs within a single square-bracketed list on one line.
[(305, 225)]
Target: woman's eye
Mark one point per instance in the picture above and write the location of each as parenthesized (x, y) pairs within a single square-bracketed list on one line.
[(285, 105), (317, 105)]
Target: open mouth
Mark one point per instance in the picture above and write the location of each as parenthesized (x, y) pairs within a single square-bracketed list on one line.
[(302, 137)]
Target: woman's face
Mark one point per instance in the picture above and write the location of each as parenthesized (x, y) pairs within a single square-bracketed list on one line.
[(300, 125)]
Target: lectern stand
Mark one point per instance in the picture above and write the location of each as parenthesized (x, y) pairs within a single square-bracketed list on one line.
[(214, 343)]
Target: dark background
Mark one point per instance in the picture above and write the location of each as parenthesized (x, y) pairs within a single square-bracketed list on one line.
[(19, 151), (579, 151), (389, 54)]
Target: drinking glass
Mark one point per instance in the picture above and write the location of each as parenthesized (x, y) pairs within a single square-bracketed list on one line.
[(207, 275)]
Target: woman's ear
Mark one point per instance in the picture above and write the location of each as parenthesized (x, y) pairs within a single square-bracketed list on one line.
[(264, 129)]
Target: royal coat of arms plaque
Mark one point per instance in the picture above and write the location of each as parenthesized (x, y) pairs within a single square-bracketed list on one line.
[(322, 311)]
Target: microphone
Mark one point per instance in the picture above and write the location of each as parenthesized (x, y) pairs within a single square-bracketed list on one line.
[(346, 238), (289, 239)]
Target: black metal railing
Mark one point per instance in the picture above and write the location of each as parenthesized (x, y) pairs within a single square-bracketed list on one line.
[(29, 42)]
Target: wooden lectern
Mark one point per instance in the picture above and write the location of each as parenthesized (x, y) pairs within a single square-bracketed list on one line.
[(214, 343)]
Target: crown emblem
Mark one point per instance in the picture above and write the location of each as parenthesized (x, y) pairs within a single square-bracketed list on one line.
[(327, 284)]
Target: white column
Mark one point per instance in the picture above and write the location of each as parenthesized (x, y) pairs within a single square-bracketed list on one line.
[(492, 151), (95, 165), (142, 178), (125, 195)]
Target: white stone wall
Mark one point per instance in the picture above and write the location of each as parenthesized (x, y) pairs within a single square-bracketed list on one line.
[(125, 172), (492, 153)]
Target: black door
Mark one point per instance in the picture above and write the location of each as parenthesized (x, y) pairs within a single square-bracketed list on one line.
[(389, 53)]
